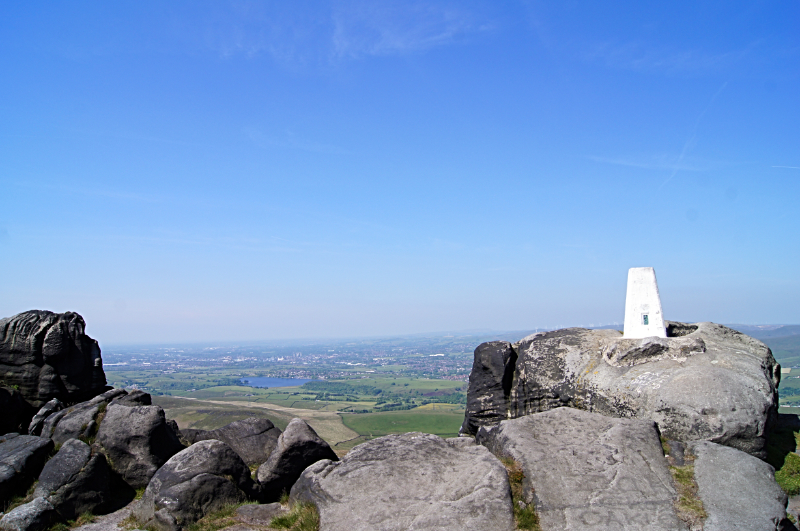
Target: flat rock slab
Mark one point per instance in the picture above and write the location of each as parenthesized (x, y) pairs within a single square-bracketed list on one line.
[(409, 481), (588, 472), (738, 491), (260, 515), (21, 459)]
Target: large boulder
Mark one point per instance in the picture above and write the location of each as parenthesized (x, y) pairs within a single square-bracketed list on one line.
[(738, 491), (409, 481), (75, 480), (21, 459), (80, 420), (37, 515), (136, 441), (585, 471), (704, 382), (201, 479), (47, 355), (252, 438), (298, 447), (16, 411)]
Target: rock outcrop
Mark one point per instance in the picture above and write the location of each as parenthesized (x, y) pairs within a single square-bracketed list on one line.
[(137, 441), (409, 481), (705, 382), (738, 491), (202, 478), (252, 438), (21, 459), (75, 480), (48, 355), (584, 471), (298, 447), (81, 420), (37, 422)]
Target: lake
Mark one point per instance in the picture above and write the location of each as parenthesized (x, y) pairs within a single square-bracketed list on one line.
[(263, 381)]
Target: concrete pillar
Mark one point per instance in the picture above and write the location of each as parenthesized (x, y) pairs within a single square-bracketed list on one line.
[(643, 317)]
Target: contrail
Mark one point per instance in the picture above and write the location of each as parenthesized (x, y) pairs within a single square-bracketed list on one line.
[(790, 167), (692, 136)]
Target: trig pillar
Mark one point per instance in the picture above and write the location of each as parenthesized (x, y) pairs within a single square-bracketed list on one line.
[(643, 317)]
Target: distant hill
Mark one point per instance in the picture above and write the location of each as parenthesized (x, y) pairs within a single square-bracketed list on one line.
[(763, 332), (784, 340)]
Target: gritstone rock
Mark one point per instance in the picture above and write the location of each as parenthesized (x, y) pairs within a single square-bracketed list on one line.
[(21, 459), (80, 420), (706, 381), (37, 515), (136, 440), (298, 447), (53, 406), (738, 491), (410, 481), (588, 472), (202, 478), (74, 481), (47, 355), (460, 442), (252, 438)]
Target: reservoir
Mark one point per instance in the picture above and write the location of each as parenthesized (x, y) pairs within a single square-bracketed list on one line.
[(263, 381)]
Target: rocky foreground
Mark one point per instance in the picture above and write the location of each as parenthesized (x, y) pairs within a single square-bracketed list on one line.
[(567, 430)]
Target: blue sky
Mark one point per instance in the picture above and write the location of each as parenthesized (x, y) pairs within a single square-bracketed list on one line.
[(189, 171)]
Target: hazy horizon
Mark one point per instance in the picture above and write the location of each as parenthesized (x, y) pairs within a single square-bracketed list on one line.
[(196, 171)]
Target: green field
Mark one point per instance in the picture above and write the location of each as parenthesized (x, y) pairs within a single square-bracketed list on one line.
[(444, 421), (430, 406)]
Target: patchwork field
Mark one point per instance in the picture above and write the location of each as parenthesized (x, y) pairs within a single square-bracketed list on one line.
[(341, 430)]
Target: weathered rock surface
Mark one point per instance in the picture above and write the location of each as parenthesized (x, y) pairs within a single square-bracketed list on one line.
[(490, 383), (137, 397), (80, 420), (48, 355), (21, 459), (260, 514), (74, 481), (738, 491), (461, 442), (136, 441), (297, 448), (37, 422), (409, 481), (253, 438), (37, 515), (708, 382), (202, 478), (588, 472), (16, 411)]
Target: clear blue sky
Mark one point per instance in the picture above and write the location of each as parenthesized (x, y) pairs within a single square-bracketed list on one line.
[(193, 171)]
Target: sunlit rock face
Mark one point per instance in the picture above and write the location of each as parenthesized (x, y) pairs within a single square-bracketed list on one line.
[(48, 355), (702, 382)]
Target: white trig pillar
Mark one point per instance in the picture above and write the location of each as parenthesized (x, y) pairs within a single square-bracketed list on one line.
[(643, 317)]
